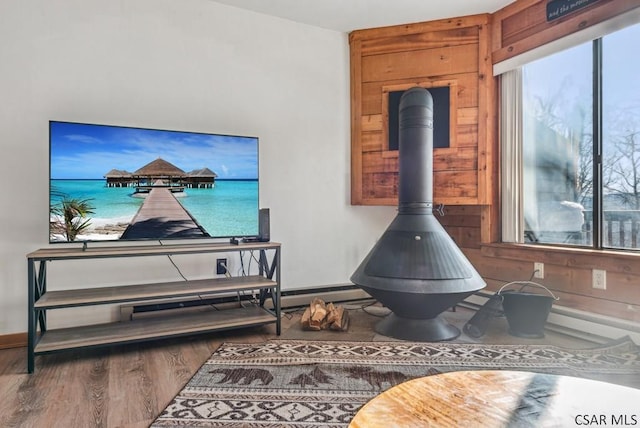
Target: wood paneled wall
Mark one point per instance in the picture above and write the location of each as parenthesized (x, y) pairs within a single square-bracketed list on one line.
[(466, 175), (451, 52), (517, 28), (568, 273)]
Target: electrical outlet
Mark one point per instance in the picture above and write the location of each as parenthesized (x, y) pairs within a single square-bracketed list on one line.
[(221, 266), (599, 279), (538, 270)]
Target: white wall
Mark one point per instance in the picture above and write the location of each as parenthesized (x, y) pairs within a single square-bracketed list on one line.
[(191, 65)]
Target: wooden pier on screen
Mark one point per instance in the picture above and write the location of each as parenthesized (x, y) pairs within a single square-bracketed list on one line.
[(162, 216)]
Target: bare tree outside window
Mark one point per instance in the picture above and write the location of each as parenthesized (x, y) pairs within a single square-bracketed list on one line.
[(621, 140)]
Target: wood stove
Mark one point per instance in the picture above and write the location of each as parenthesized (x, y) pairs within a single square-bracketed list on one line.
[(416, 269)]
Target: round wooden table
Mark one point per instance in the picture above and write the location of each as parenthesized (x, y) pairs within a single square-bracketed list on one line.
[(501, 399)]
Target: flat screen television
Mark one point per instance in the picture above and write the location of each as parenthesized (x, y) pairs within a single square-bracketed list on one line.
[(120, 183)]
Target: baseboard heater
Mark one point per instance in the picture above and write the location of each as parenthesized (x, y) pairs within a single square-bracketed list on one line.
[(290, 299), (572, 322)]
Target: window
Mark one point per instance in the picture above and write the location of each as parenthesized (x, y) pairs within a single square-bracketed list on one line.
[(581, 145)]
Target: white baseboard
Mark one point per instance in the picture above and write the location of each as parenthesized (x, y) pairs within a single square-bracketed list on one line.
[(592, 325), (334, 296)]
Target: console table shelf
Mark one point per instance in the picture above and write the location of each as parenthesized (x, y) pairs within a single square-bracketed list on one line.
[(129, 293), (151, 328), (195, 320)]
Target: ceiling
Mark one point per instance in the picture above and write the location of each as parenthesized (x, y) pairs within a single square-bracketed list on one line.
[(349, 15)]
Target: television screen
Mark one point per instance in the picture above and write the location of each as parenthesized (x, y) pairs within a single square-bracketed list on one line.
[(123, 183)]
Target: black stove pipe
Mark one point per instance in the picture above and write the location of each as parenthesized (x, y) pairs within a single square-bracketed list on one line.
[(415, 171)]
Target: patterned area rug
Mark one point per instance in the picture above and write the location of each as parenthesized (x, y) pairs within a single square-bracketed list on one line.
[(284, 383)]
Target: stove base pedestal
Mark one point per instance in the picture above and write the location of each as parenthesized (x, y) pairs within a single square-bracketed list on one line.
[(419, 330)]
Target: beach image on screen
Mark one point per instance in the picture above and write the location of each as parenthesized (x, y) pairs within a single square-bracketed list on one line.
[(124, 183)]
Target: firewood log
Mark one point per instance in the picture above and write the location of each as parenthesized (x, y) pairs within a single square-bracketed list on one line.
[(318, 313), (331, 313), (341, 322), (306, 318)]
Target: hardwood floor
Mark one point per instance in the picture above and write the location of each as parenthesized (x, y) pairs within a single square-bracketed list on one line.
[(124, 386), (129, 385)]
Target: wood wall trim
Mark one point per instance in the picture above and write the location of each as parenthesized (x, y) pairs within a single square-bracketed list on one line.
[(623, 262), (16, 340), (531, 30), (356, 123), (487, 107), (418, 27), (453, 113)]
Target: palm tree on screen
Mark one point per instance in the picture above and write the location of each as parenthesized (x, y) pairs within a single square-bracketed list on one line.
[(69, 217)]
